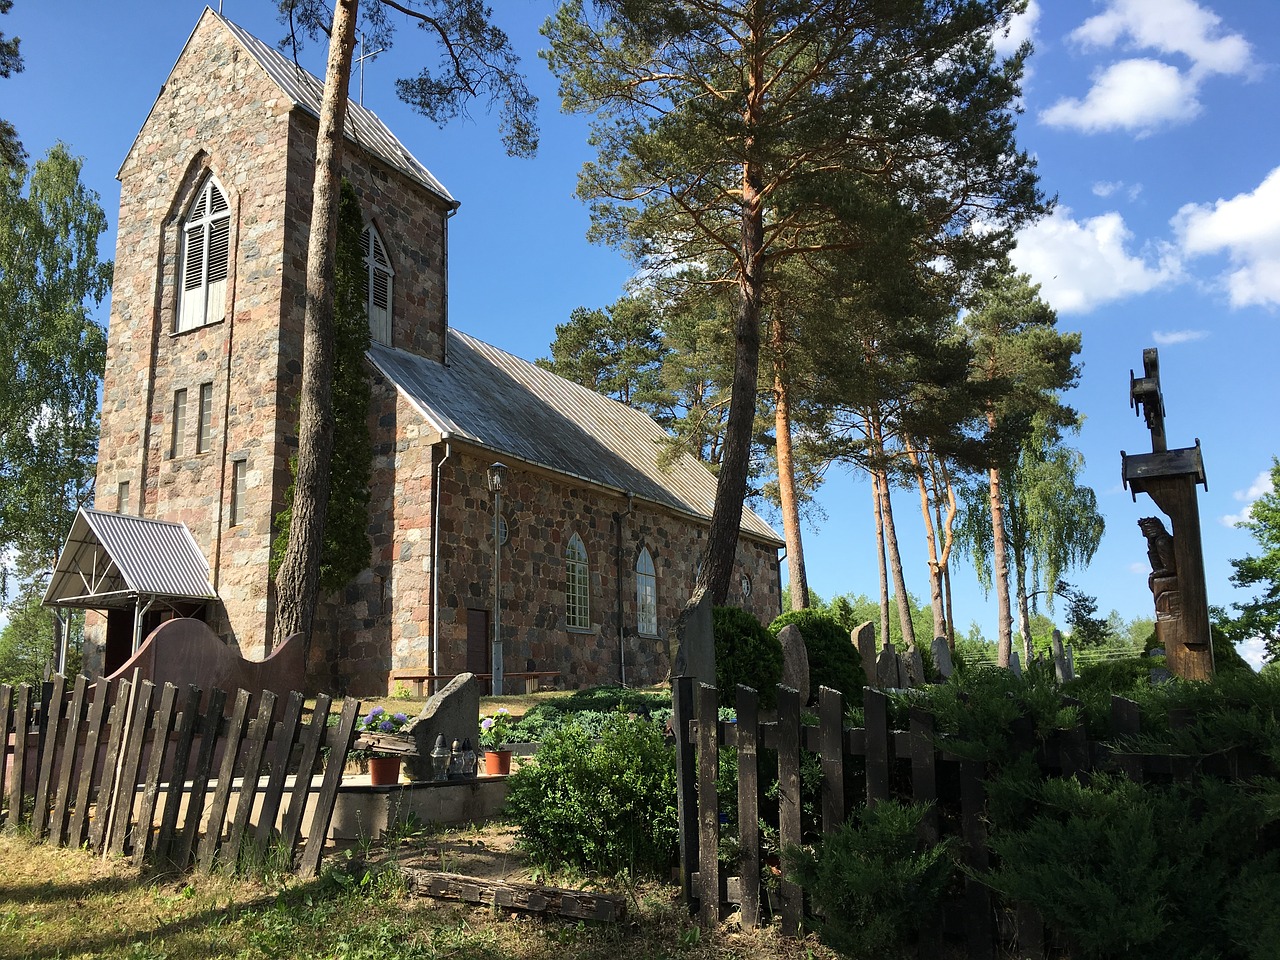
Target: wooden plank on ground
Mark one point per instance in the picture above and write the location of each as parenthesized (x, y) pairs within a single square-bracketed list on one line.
[(708, 807), (291, 828), (527, 897), (18, 770), (127, 782), (789, 824), (831, 750), (328, 796), (184, 842), (70, 750), (686, 787), (285, 734), (88, 763), (748, 709), (255, 746), (110, 767), (51, 711), (6, 711), (226, 773), (185, 725), (161, 726), (875, 708)]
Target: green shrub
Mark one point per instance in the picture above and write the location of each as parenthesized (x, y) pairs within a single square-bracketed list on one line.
[(604, 806), (747, 654), (873, 883), (833, 660)]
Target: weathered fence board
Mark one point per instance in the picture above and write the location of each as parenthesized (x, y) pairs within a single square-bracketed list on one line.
[(579, 904), (90, 764), (748, 709)]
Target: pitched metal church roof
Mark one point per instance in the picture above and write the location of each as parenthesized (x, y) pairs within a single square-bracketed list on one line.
[(111, 559), (496, 400)]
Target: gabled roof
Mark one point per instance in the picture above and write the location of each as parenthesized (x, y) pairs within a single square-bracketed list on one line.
[(304, 90), (112, 559), (498, 401)]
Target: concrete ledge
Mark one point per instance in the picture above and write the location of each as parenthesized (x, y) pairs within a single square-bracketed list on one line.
[(365, 812)]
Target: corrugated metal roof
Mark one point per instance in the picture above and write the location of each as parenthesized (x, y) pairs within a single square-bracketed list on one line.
[(511, 406), (110, 559), (363, 126)]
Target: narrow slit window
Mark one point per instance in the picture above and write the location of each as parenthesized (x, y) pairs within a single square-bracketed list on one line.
[(122, 497), (206, 258), (204, 431), (178, 438), (239, 474), (577, 609)]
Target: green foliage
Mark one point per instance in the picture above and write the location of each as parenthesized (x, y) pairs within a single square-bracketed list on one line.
[(1134, 870), (52, 356), (873, 883), (346, 549), (605, 806), (26, 642), (853, 610), (747, 654), (833, 660), (1260, 616), (11, 152)]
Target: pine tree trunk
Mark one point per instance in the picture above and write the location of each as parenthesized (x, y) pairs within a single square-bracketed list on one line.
[(1024, 606), (931, 540), (891, 542), (881, 563), (1000, 567), (298, 580), (787, 500)]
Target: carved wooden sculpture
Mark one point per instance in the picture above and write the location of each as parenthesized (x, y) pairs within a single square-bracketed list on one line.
[(1177, 581)]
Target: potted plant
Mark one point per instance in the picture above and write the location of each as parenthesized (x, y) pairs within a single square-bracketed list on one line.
[(494, 732), (384, 768)]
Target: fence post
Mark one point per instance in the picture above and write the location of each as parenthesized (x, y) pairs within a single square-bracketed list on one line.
[(876, 711), (18, 773), (6, 700), (686, 787), (977, 897), (831, 718), (748, 709), (50, 722), (161, 724), (312, 739), (89, 762), (924, 771), (75, 716), (708, 806), (329, 790), (789, 827), (184, 844)]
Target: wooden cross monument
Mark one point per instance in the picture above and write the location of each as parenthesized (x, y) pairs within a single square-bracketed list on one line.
[(1177, 581)]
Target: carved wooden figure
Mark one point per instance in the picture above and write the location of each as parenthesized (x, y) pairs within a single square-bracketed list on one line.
[(1177, 580)]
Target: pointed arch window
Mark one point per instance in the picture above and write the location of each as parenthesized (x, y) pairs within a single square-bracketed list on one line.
[(206, 258), (577, 610), (646, 595), (380, 274)]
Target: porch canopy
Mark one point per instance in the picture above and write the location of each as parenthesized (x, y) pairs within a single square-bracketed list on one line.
[(114, 561)]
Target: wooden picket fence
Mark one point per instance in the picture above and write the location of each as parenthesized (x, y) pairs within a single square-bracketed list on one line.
[(909, 765), (127, 770)]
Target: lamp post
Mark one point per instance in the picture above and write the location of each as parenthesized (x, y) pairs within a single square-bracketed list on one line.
[(497, 475)]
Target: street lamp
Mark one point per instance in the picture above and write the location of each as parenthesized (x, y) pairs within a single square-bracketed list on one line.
[(497, 476)]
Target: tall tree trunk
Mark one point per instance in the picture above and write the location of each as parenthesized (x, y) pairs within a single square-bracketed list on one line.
[(931, 540), (298, 580), (1024, 606), (951, 613), (731, 485), (787, 500), (999, 561), (891, 541), (881, 563)]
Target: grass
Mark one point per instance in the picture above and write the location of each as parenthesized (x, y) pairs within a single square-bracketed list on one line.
[(68, 904)]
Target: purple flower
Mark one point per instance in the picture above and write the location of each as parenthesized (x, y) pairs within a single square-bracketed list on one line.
[(399, 718), (377, 712), (386, 726), (486, 723)]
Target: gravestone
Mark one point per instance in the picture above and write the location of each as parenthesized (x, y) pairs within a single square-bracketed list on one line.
[(864, 640), (1015, 665), (913, 667), (453, 712), (888, 670), (1061, 669), (694, 639), (795, 660), (942, 657)]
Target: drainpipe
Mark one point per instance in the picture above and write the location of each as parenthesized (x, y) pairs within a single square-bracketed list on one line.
[(435, 568), (622, 647)]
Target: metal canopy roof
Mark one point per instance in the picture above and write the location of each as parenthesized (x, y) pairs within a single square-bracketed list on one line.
[(111, 560), (508, 405)]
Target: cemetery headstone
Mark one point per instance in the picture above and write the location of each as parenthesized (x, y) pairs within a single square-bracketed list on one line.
[(864, 638), (453, 713), (795, 660), (694, 639), (942, 657)]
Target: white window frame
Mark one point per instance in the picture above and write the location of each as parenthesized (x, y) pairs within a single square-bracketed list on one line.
[(122, 497), (204, 427), (577, 585), (206, 258), (239, 475), (646, 595), (178, 437), (379, 284)]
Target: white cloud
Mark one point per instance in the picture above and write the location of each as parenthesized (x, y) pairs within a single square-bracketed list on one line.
[(1082, 264), (1260, 487), (1140, 568), (1254, 651), (1141, 94), (1021, 29), (1169, 338), (1135, 95), (1247, 229), (1108, 188)]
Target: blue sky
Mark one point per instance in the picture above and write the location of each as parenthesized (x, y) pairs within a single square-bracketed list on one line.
[(1153, 122)]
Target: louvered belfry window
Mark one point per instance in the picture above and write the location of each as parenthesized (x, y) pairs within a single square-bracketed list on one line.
[(206, 255), (380, 276)]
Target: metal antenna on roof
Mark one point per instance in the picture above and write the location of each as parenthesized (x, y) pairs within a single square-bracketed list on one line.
[(361, 59)]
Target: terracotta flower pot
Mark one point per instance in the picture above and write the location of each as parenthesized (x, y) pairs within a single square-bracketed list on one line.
[(497, 763), (384, 771)]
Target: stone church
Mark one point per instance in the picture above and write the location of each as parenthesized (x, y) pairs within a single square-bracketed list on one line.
[(600, 537)]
